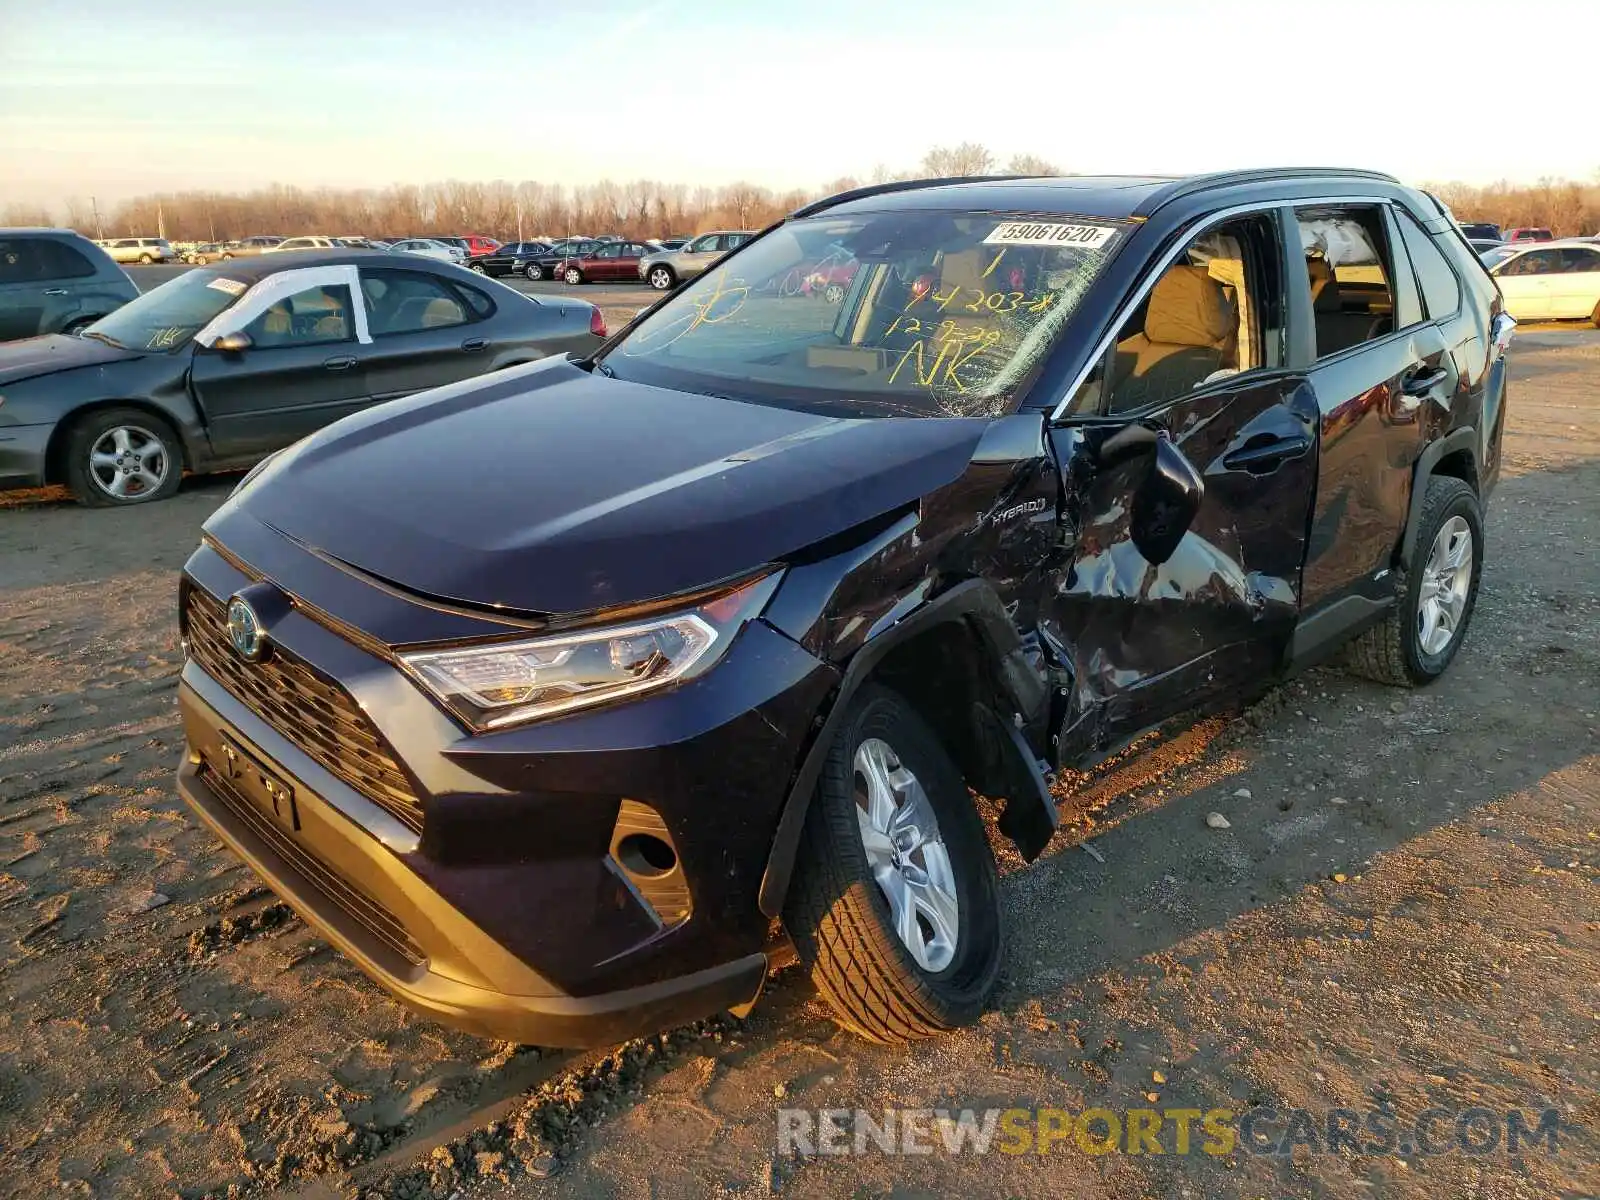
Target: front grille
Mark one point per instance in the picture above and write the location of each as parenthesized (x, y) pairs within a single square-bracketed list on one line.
[(369, 913), (315, 714)]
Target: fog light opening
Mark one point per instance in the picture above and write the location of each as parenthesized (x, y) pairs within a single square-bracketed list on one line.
[(642, 854)]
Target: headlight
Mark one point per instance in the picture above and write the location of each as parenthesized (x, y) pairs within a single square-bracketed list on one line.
[(509, 683)]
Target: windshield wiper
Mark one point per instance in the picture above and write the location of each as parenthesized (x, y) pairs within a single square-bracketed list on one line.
[(604, 370), (103, 337)]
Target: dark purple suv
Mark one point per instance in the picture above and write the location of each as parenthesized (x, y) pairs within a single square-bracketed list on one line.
[(562, 698)]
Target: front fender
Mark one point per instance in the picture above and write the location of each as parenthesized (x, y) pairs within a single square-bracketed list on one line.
[(974, 604)]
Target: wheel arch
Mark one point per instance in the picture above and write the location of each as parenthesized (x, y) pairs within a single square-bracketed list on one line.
[(56, 450), (954, 659), (1454, 455)]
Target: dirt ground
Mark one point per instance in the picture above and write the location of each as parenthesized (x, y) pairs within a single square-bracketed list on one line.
[(1403, 911)]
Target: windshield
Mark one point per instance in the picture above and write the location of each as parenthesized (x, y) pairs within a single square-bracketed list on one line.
[(908, 313), (168, 316)]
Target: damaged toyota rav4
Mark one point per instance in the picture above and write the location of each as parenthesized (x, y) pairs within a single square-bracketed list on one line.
[(563, 701)]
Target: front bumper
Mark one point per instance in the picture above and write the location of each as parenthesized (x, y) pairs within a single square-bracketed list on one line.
[(23, 451), (502, 909)]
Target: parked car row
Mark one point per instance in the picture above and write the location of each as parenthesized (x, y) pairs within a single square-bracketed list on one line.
[(224, 364)]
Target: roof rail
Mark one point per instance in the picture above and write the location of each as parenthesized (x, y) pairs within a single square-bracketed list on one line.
[(898, 185), (1202, 183)]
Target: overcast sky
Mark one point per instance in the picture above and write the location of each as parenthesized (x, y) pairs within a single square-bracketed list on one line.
[(127, 96)]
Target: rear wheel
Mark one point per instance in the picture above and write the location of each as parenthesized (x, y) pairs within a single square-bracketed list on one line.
[(662, 278), (1418, 639), (894, 906), (146, 259), (534, 272), (573, 275), (73, 328), (479, 268), (122, 456), (1594, 317)]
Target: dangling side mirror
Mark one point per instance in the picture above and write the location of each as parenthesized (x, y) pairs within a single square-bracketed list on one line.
[(1166, 503), (233, 343)]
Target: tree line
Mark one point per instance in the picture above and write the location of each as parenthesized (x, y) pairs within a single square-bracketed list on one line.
[(640, 207), (502, 208)]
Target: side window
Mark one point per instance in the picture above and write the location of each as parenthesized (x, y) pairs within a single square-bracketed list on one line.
[(1534, 262), (477, 301), (1213, 313), (314, 317), (609, 250), (62, 261), (20, 261), (409, 302), (1575, 260), (1441, 290), (704, 245), (1348, 267)]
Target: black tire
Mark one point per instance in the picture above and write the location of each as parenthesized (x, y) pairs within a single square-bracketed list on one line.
[(662, 277), (1392, 652), (87, 430), (72, 328), (479, 268), (146, 259), (839, 917), (573, 276), (534, 272), (1594, 317), (227, 258)]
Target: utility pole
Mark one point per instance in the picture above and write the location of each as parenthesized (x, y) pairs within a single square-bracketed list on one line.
[(99, 230), (519, 218)]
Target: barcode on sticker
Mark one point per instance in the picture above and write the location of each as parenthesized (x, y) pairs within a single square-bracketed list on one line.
[(1049, 233), (232, 286)]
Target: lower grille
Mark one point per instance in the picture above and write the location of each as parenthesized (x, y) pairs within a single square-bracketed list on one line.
[(369, 913), (317, 715)]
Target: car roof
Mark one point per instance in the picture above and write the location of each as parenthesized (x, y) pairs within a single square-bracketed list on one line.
[(252, 269), (1108, 196), (40, 231)]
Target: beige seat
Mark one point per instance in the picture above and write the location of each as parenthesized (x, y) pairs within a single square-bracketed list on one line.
[(441, 312), (1190, 331)]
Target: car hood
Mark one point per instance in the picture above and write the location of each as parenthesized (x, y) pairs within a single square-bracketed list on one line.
[(552, 490), (33, 357)]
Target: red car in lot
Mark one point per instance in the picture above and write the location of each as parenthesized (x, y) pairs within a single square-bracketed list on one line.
[(605, 260)]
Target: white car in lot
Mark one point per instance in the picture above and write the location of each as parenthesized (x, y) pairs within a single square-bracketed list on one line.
[(140, 250), (1551, 281), (302, 243), (429, 248)]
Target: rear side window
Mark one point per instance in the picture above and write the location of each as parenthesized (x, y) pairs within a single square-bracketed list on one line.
[(20, 261), (409, 302), (1441, 290), (1348, 266), (477, 301), (1577, 259)]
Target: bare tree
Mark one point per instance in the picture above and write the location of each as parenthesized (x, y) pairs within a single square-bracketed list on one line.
[(1031, 164), (969, 158)]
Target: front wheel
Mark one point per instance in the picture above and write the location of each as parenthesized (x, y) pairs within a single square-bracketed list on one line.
[(479, 268), (1594, 317), (74, 328), (534, 272), (145, 259), (573, 275), (1417, 640), (894, 906), (122, 456), (661, 278)]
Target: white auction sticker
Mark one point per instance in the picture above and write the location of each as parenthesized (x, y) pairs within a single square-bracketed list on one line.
[(232, 286), (1049, 233)]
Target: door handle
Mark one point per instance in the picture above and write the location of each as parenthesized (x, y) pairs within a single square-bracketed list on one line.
[(1420, 383), (1265, 452), (340, 364), (472, 344), (55, 291)]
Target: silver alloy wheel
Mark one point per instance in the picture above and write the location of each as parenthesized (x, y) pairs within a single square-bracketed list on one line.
[(1446, 580), (127, 462), (833, 293), (573, 276), (907, 855), (661, 279), (480, 268), (534, 272)]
